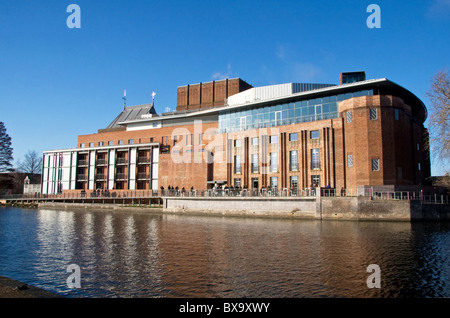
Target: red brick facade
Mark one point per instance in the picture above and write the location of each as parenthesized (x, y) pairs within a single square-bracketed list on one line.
[(374, 141)]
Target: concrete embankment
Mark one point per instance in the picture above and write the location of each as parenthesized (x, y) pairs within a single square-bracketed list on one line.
[(337, 208), (343, 208)]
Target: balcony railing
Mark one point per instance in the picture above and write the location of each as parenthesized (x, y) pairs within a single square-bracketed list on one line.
[(121, 176), (101, 162), (82, 162), (100, 176), (121, 161), (81, 177), (143, 175), (143, 160)]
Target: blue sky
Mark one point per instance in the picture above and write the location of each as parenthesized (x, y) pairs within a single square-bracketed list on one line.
[(57, 83)]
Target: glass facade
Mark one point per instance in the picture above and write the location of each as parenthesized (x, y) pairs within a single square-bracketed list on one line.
[(245, 118)]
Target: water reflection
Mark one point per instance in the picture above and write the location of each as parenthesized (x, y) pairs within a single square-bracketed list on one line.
[(154, 255)]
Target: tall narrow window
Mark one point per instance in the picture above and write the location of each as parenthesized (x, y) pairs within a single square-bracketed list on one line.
[(255, 166), (349, 117), (396, 114), (237, 164), (237, 143), (294, 182), (375, 164), (200, 139), (294, 160), (273, 182), (315, 158), (373, 114), (273, 161), (273, 139), (255, 141), (349, 160)]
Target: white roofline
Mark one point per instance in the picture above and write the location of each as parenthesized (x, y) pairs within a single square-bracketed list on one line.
[(102, 147), (217, 109)]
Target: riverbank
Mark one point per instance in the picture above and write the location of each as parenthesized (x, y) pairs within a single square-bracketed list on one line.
[(10, 288), (322, 208)]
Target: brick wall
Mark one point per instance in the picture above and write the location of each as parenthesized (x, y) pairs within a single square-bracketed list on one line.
[(210, 94)]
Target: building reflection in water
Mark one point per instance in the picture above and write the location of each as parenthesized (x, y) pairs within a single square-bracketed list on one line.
[(154, 255)]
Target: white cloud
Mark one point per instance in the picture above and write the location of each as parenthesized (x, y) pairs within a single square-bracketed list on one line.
[(220, 75), (293, 67)]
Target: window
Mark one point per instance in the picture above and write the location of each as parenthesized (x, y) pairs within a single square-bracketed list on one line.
[(100, 143), (237, 143), (255, 166), (237, 182), (91, 144), (373, 114), (315, 180), (200, 139), (255, 141), (110, 143), (418, 166), (273, 161), (294, 182), (399, 173), (349, 160), (294, 160), (237, 164), (192, 139), (273, 182), (130, 141), (418, 147), (273, 139), (175, 140), (293, 137), (349, 117), (82, 145), (155, 125), (314, 134), (396, 114), (375, 164), (120, 142), (315, 158)]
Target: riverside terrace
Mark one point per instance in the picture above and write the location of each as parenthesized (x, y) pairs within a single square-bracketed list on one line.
[(153, 197)]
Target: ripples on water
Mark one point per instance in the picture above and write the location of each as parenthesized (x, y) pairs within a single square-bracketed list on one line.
[(153, 255)]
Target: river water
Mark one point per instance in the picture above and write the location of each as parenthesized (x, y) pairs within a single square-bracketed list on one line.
[(136, 254)]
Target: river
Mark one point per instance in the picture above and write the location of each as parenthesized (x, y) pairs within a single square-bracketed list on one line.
[(145, 255)]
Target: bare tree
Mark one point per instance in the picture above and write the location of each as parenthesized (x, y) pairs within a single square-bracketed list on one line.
[(31, 165), (439, 120)]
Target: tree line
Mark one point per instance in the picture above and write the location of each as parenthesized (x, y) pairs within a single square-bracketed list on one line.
[(11, 177)]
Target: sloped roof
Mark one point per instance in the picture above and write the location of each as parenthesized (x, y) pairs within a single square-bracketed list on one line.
[(132, 113)]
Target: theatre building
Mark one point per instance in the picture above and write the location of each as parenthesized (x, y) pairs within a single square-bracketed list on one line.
[(229, 133)]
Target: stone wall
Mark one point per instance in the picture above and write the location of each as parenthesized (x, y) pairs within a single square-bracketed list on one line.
[(339, 208)]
